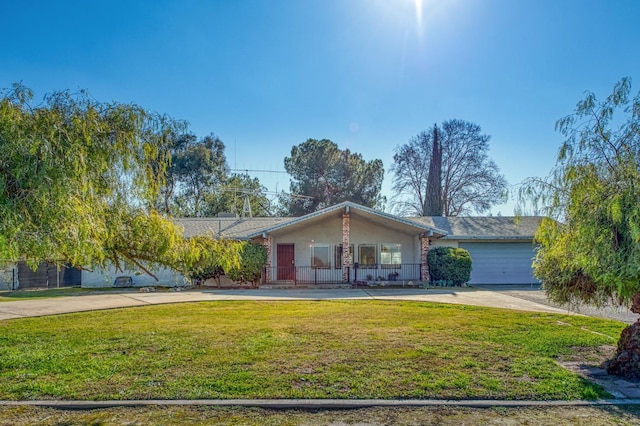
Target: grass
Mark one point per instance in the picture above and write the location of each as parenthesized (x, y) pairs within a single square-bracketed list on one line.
[(328, 349), (47, 293), (10, 296)]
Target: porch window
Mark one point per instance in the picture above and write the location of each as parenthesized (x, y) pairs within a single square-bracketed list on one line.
[(367, 255), (391, 255), (337, 255), (320, 256)]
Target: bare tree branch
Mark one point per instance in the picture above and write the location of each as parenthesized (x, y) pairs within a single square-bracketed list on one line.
[(471, 181)]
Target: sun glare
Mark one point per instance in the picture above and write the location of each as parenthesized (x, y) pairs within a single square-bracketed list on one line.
[(409, 15), (418, 5)]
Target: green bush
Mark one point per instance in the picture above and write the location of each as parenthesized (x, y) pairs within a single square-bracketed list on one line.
[(253, 257), (205, 257), (449, 264)]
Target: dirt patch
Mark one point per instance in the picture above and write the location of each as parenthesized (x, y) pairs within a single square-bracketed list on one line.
[(593, 356), (179, 415)]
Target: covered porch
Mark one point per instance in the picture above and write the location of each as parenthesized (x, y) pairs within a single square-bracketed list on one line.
[(347, 244), (371, 275)]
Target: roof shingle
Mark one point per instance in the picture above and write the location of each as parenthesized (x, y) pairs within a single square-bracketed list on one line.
[(484, 227), (481, 227), (225, 227)]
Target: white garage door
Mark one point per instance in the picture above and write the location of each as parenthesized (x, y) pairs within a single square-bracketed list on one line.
[(500, 263)]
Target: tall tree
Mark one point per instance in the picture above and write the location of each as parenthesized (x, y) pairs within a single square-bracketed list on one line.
[(176, 145), (591, 254), (197, 169), (74, 177), (325, 175), (471, 181), (434, 179), (200, 168), (231, 195)]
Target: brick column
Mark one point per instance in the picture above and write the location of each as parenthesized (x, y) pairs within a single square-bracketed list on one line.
[(424, 266), (267, 242), (346, 258)]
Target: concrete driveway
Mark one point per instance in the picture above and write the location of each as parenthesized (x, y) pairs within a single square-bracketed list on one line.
[(109, 300), (534, 293)]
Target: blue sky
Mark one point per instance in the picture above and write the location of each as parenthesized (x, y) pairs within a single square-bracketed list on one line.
[(265, 75)]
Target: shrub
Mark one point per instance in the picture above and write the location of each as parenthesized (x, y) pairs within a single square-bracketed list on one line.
[(441, 283), (449, 264), (253, 258), (205, 257), (202, 274)]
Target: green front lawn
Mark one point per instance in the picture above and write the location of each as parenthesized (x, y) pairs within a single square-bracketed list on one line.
[(11, 296), (328, 349)]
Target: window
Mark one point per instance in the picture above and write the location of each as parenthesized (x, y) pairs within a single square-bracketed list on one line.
[(337, 256), (320, 256), (367, 255), (391, 255)]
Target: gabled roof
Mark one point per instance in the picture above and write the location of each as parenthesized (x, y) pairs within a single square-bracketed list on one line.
[(449, 228), (347, 206), (484, 227)]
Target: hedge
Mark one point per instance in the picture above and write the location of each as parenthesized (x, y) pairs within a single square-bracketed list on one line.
[(449, 264)]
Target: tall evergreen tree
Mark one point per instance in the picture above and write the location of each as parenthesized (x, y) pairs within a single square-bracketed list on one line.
[(433, 205), (327, 175)]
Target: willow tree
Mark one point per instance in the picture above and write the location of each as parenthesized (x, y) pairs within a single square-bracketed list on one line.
[(75, 175), (590, 253)]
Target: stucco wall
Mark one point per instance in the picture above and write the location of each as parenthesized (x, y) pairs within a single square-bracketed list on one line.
[(105, 278), (329, 232), (444, 243), (8, 275)]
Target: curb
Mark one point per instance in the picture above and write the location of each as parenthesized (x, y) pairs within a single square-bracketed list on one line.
[(314, 404)]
